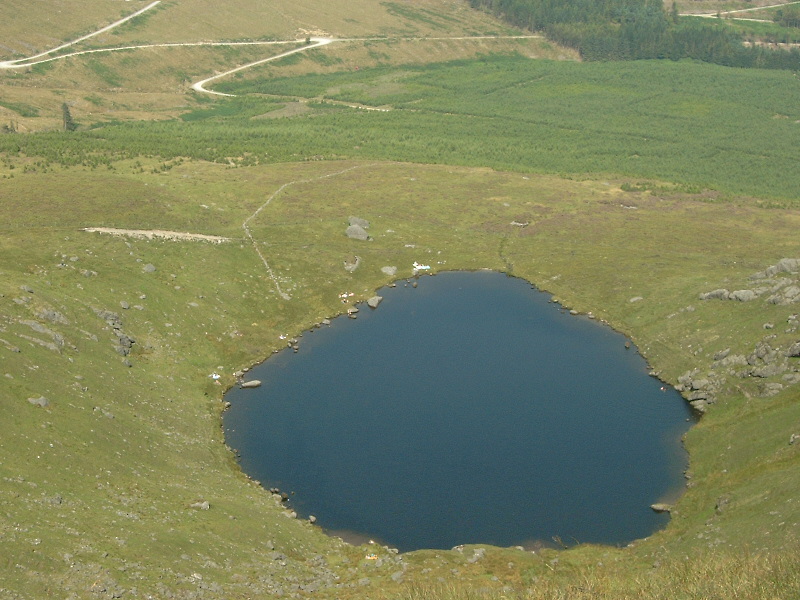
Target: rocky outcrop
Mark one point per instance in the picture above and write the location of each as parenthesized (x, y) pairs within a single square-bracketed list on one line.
[(780, 283), (784, 265), (374, 301), (53, 316), (363, 223), (124, 342), (357, 229), (696, 390), (356, 232), (742, 295), (719, 294), (56, 342)]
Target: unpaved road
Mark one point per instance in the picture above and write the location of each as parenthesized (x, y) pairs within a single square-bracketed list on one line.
[(32, 60), (317, 42)]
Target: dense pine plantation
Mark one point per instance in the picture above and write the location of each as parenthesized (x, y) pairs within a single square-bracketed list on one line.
[(639, 29)]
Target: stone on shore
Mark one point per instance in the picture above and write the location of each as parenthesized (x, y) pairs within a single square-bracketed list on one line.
[(253, 383), (374, 301)]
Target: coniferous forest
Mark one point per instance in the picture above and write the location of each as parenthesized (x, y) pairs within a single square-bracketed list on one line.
[(636, 29)]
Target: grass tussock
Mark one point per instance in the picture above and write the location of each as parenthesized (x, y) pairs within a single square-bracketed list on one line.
[(758, 576)]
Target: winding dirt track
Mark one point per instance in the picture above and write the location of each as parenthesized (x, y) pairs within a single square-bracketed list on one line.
[(714, 15), (33, 60), (315, 42)]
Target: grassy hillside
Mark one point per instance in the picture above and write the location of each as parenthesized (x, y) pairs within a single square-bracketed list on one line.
[(154, 82), (642, 186), (135, 447), (204, 20)]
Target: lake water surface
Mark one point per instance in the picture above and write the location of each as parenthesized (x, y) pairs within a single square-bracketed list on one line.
[(467, 410)]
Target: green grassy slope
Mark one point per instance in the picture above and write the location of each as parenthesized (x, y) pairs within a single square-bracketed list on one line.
[(133, 448)]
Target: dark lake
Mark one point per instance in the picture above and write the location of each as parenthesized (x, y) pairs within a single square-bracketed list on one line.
[(467, 410)]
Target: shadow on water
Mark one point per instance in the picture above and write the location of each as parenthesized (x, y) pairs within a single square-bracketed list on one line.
[(467, 410)]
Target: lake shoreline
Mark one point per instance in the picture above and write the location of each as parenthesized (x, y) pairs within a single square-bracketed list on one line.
[(410, 282)]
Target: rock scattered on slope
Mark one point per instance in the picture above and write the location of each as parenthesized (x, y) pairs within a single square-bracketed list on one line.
[(779, 283), (784, 265), (356, 232), (363, 223), (53, 316)]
